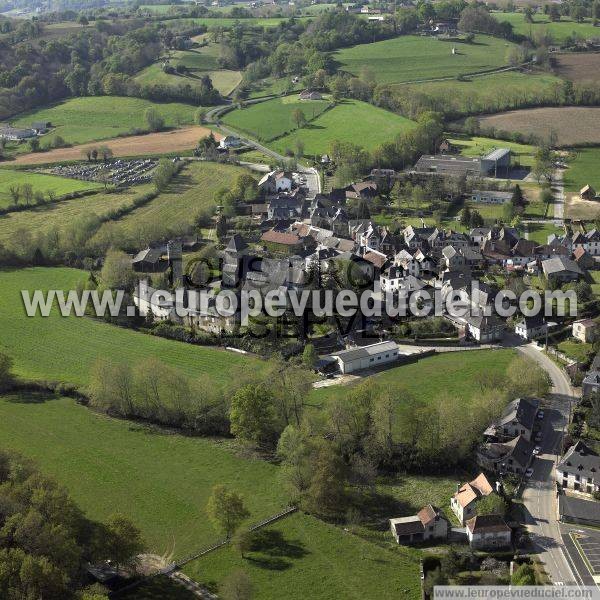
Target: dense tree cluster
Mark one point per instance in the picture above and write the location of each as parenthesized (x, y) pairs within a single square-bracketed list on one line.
[(46, 541)]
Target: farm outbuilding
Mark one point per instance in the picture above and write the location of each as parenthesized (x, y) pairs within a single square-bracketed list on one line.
[(357, 359), (587, 193)]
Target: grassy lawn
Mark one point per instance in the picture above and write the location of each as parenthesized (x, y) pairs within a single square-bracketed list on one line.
[(477, 146), (351, 121), (576, 350), (273, 118), (595, 275), (583, 169), (559, 30), (40, 183), (64, 348), (80, 120), (160, 480), (472, 95), (539, 232), (224, 81), (175, 210), (60, 215), (299, 554), (453, 372), (415, 58)]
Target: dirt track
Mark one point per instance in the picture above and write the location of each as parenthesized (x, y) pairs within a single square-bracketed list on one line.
[(152, 143)]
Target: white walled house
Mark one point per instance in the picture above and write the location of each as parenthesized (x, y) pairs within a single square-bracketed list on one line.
[(530, 328), (585, 330), (428, 524), (579, 470), (464, 501), (488, 532), (357, 359)]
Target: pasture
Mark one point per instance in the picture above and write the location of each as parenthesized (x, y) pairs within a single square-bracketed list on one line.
[(370, 127), (224, 81), (40, 183), (60, 215), (80, 120), (309, 558), (64, 348), (497, 91), (559, 30), (571, 125), (416, 58), (579, 67), (456, 373), (175, 210), (584, 168), (477, 146), (268, 120)]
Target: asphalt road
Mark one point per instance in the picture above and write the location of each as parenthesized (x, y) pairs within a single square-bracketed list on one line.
[(539, 494)]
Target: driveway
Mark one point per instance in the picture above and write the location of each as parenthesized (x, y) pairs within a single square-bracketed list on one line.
[(539, 494)]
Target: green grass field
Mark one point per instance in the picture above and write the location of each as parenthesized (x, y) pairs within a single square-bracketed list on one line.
[(416, 58), (453, 373), (539, 233), (273, 118), (228, 22), (224, 81), (503, 91), (161, 480), (80, 120), (175, 210), (351, 121), (559, 30), (584, 168), (40, 183), (41, 219), (311, 559), (477, 146), (64, 348)]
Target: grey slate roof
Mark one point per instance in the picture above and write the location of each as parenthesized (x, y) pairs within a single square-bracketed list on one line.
[(581, 460), (577, 508)]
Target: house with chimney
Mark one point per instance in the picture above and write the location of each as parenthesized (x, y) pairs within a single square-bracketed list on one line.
[(579, 470), (488, 532)]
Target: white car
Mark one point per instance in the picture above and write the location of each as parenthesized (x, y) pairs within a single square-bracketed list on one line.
[(529, 473), (537, 450)]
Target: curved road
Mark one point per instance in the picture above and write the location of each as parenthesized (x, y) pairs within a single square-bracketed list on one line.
[(539, 494)]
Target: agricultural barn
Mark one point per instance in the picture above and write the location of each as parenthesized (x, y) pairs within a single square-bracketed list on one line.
[(490, 197), (357, 359), (496, 162), (443, 164)]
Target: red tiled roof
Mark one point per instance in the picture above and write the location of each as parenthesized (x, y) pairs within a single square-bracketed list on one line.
[(280, 237)]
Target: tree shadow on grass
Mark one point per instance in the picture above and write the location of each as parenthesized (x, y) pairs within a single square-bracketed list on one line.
[(29, 397), (380, 508), (273, 549)]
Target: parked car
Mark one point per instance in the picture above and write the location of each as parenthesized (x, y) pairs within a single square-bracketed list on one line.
[(537, 450), (529, 473), (540, 414)]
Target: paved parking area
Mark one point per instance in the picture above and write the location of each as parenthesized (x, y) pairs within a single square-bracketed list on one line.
[(589, 542)]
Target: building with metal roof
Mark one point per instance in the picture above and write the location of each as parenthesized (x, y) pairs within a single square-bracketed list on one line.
[(366, 357)]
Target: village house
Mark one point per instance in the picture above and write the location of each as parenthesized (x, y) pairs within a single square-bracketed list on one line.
[(283, 242), (464, 501), (518, 418), (561, 270), (590, 386), (428, 524), (585, 330), (531, 328), (14, 134), (488, 532), (512, 456), (485, 329), (230, 142), (275, 182), (584, 259), (578, 510), (310, 95), (366, 357), (364, 190), (579, 470)]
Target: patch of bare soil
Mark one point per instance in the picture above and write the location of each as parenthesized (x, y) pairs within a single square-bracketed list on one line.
[(136, 145)]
